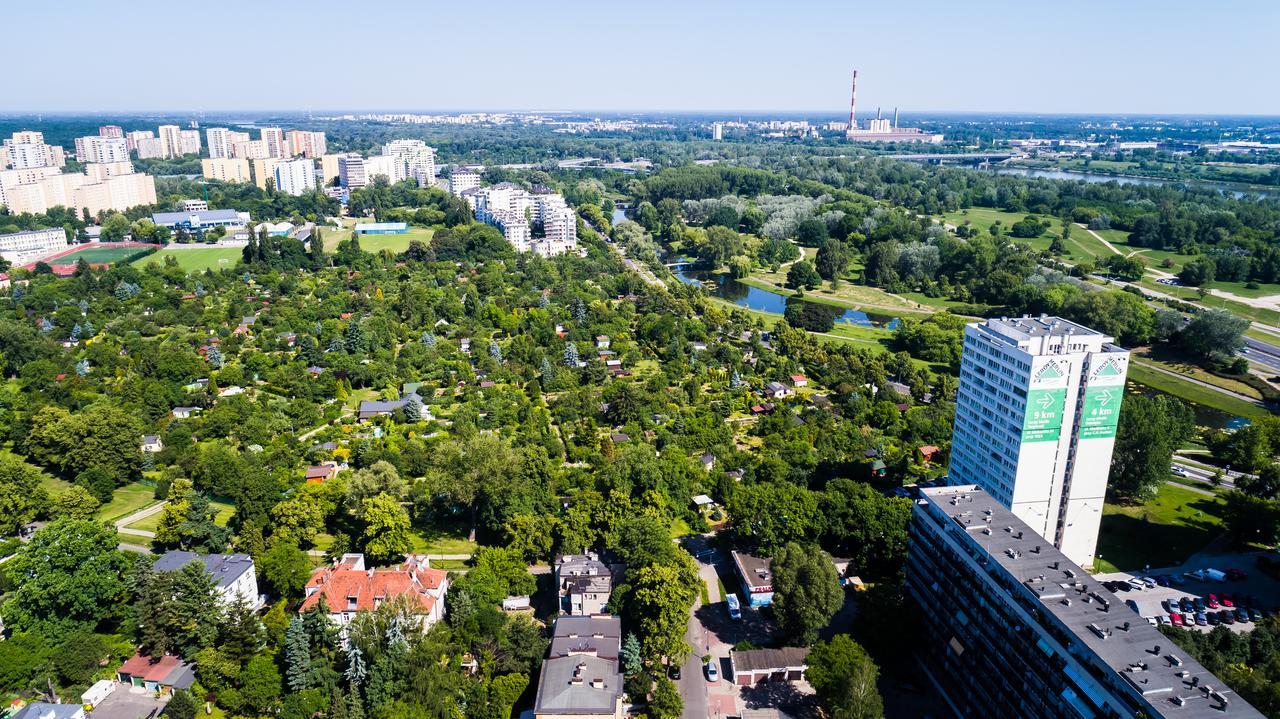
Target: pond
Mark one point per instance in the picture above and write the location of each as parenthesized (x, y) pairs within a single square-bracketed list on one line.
[(1205, 416), (721, 285)]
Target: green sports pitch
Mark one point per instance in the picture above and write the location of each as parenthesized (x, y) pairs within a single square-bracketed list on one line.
[(194, 259), (99, 255)]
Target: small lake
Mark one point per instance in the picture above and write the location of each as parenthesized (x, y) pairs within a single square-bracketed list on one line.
[(619, 213), (1097, 178), (1204, 416), (719, 284)]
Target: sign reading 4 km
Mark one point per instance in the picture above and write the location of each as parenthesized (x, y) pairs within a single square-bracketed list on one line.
[(1101, 412)]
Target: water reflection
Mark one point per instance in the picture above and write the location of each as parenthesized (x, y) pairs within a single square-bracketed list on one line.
[(719, 284)]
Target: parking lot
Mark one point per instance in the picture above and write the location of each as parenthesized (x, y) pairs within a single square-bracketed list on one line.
[(128, 702), (1256, 593)]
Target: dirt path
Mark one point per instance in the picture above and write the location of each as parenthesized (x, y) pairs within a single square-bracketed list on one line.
[(1099, 238), (140, 514)]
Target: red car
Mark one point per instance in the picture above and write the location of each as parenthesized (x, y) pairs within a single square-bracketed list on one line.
[(1226, 600), (1175, 619), (1213, 601)]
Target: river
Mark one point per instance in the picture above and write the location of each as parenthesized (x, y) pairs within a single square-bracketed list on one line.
[(719, 284), (1122, 180)]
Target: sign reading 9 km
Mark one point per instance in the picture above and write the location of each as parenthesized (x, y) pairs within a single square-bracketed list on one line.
[(1043, 421)]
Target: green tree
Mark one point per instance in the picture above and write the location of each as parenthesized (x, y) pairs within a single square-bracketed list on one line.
[(75, 503), (386, 529), (658, 599), (285, 568), (260, 684), (801, 275), (72, 577), (771, 514), (1149, 430), (844, 677), (667, 702), (181, 705), (806, 591), (22, 498), (1215, 334), (832, 259)]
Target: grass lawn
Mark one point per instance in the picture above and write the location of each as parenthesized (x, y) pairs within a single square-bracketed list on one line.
[(1193, 392), (359, 395), (982, 218), (1189, 294), (100, 254), (51, 484), (680, 528), (442, 538), (127, 500), (194, 259), (1176, 363), (149, 523), (1165, 531)]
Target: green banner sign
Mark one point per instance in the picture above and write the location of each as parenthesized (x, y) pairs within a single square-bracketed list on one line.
[(1043, 422), (1101, 412)]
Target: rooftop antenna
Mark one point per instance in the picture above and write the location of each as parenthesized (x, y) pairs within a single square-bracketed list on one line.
[(895, 118)]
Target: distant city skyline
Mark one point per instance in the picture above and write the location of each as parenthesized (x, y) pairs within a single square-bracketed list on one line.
[(927, 56)]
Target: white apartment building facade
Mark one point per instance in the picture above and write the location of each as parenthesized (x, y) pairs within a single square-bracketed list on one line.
[(1035, 423), (418, 157), (462, 179), (150, 148), (132, 137), (170, 140), (219, 139), (20, 248), (189, 142), (26, 149), (103, 187), (250, 149), (517, 212), (294, 177), (96, 148), (351, 171)]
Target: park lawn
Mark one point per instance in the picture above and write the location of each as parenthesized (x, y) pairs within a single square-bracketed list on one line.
[(359, 395), (1189, 294), (127, 500), (375, 243), (858, 297), (1192, 392), (195, 259), (1162, 532), (680, 528), (1177, 363), (1238, 288), (51, 484), (981, 218), (937, 303)]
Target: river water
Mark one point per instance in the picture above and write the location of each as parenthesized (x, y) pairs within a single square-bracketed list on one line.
[(1096, 178)]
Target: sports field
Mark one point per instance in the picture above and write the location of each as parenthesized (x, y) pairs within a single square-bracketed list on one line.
[(376, 243), (98, 255), (195, 259)]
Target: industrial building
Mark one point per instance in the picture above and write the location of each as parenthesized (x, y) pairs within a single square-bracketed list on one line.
[(1035, 423), (1012, 627), (200, 221), (879, 129)]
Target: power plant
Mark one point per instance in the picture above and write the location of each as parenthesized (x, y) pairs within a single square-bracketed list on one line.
[(879, 129)]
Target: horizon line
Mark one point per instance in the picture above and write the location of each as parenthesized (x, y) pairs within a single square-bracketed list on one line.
[(701, 112)]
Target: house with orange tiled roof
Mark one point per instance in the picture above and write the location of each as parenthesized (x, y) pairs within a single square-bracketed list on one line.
[(348, 588)]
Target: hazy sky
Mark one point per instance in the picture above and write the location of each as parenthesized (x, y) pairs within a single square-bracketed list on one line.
[(1119, 56)]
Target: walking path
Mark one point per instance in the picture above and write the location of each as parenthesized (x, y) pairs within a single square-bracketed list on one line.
[(1099, 238), (122, 523)]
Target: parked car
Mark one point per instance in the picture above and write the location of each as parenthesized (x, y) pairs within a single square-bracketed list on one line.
[(1213, 618), (1175, 619), (713, 672), (1186, 605), (1213, 601), (1201, 619), (1226, 600), (1169, 605), (1199, 604), (1176, 581), (1136, 584), (1255, 615), (1148, 581), (673, 671), (1227, 617), (1162, 580), (735, 608), (1121, 587)]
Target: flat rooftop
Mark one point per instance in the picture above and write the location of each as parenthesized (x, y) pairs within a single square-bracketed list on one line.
[(1141, 657), (1042, 326)]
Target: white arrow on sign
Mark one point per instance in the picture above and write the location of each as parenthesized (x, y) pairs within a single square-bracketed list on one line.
[(1105, 397), (1046, 401)]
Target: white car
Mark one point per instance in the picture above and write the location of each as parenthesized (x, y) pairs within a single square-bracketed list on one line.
[(1177, 471), (713, 672)]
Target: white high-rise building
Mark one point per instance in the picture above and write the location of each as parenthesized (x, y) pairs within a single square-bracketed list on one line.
[(1035, 423), (170, 140), (295, 177), (419, 159), (189, 142), (227, 169), (462, 179), (149, 147), (219, 139), (249, 149), (351, 171), (273, 138), (389, 166), (26, 149), (96, 148), (516, 212)]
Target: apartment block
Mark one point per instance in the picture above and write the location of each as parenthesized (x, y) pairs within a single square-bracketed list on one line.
[(1012, 627), (462, 179), (264, 169), (294, 177), (26, 149), (1035, 423), (227, 169), (250, 149), (273, 139), (418, 158), (189, 142), (131, 138), (219, 142), (150, 148), (306, 143), (170, 140), (96, 148), (329, 169), (541, 223)]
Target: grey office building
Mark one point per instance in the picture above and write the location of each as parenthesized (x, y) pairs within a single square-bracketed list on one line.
[(1013, 628)]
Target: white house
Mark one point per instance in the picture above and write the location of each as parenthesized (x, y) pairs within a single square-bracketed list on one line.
[(348, 588), (233, 575)]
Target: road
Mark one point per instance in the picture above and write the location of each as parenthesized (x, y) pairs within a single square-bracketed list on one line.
[(1267, 355), (693, 686), (1200, 474)]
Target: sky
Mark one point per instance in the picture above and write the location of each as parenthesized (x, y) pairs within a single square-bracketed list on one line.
[(1035, 56)]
